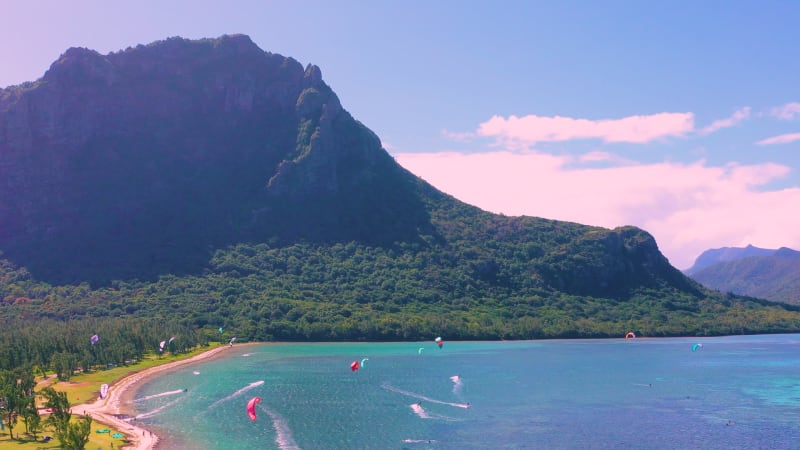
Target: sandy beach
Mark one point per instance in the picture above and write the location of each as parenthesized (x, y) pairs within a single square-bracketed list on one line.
[(108, 410)]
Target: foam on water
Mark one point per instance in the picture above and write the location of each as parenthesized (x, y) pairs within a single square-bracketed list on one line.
[(456, 384), (419, 411), (283, 434)]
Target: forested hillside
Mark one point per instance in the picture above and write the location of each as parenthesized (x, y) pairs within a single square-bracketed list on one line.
[(200, 184), (490, 286)]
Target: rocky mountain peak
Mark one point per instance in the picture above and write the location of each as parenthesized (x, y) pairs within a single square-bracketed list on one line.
[(195, 143), (80, 66)]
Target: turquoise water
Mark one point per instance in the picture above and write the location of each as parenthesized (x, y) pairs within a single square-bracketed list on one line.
[(734, 392)]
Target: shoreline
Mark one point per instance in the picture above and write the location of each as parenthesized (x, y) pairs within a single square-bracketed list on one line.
[(122, 391)]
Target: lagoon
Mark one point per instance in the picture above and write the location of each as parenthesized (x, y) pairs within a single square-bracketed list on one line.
[(734, 392)]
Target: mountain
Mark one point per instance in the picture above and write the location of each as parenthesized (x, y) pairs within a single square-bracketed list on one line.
[(138, 163), (718, 255), (208, 182), (769, 274)]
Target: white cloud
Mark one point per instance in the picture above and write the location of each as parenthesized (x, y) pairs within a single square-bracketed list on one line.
[(689, 208), (787, 111), (634, 129), (457, 136), (520, 132), (781, 139), (737, 117)]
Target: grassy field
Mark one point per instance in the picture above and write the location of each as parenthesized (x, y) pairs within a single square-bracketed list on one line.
[(23, 442), (85, 387)]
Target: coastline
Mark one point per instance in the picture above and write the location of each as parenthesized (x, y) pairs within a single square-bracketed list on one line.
[(122, 391)]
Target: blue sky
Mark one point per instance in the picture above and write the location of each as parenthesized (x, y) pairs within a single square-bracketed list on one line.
[(679, 117)]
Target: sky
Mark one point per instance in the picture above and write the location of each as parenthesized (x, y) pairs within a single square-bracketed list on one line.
[(679, 117)]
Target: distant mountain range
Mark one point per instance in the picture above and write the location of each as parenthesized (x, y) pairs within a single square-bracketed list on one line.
[(724, 254), (773, 274)]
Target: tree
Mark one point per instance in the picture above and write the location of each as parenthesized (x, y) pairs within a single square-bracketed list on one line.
[(60, 415), (77, 434), (11, 398), (37, 369), (31, 417), (64, 365)]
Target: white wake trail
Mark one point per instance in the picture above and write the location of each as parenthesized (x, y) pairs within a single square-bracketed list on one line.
[(163, 394), (156, 411), (283, 434), (238, 393), (420, 441), (389, 387)]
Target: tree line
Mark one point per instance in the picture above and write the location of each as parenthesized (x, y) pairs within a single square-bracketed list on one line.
[(64, 347)]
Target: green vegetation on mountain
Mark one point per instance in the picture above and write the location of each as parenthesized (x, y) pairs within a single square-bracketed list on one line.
[(494, 284)]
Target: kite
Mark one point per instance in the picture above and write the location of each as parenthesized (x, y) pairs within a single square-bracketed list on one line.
[(251, 407)]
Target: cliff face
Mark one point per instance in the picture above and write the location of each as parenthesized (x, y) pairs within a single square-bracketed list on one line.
[(613, 263), (146, 159)]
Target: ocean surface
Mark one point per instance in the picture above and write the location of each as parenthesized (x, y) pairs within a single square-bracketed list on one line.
[(737, 392)]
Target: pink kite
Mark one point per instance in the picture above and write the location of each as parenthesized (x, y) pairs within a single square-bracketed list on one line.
[(251, 407)]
